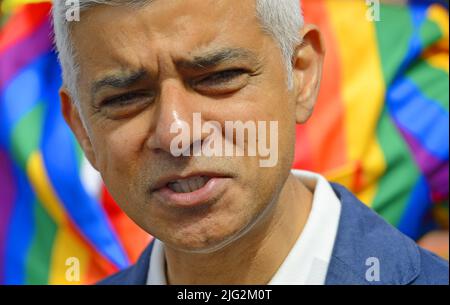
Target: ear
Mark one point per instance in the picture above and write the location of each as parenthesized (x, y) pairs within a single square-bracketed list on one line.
[(307, 69), (72, 117)]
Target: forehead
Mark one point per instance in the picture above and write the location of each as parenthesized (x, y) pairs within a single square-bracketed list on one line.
[(112, 36)]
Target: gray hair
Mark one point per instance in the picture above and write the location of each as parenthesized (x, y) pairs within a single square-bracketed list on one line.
[(282, 19)]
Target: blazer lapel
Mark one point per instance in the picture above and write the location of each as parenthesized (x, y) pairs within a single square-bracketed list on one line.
[(365, 243)]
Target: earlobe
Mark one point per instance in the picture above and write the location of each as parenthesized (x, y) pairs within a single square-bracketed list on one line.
[(307, 69), (72, 117)]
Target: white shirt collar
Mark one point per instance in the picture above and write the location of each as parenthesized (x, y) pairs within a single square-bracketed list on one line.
[(157, 271), (307, 262)]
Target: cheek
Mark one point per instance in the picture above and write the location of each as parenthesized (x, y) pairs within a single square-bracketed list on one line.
[(118, 150)]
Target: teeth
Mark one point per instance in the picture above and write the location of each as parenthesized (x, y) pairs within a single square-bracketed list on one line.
[(192, 184), (188, 185), (184, 186), (177, 188), (200, 182)]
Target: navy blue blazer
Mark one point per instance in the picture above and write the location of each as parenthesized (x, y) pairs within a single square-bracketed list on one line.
[(362, 234)]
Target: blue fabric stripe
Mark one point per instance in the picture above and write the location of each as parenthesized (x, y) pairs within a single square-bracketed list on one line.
[(419, 204), (33, 84), (415, 49), (59, 155), (444, 3), (423, 118)]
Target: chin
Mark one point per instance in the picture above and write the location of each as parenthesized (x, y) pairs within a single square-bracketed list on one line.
[(201, 243), (203, 240)]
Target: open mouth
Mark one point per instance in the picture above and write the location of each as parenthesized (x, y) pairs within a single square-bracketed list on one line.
[(188, 185), (191, 191)]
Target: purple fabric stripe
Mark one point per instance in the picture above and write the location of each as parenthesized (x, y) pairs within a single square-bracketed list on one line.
[(21, 54), (7, 198), (435, 170)]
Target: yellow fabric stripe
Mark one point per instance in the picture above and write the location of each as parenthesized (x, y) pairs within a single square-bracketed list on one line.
[(43, 188), (439, 15), (363, 89), (438, 56), (68, 246), (10, 5)]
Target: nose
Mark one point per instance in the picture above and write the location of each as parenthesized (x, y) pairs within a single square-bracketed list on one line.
[(174, 121)]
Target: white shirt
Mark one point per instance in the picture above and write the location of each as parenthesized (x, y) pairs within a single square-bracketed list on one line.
[(307, 262)]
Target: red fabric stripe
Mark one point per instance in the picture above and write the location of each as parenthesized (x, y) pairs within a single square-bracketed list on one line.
[(27, 19), (133, 239)]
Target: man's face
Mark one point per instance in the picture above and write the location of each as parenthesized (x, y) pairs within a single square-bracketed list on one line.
[(144, 69)]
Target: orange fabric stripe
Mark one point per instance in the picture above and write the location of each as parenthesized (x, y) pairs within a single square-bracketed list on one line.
[(325, 131)]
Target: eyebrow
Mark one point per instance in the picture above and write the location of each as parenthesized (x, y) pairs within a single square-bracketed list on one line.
[(209, 60), (215, 58)]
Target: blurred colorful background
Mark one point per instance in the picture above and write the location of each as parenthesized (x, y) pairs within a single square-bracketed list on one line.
[(381, 128)]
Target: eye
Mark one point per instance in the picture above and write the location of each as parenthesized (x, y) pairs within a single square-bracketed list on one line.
[(222, 77), (222, 82), (124, 99), (126, 105)]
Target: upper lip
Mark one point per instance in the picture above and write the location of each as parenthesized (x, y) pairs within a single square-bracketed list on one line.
[(162, 182)]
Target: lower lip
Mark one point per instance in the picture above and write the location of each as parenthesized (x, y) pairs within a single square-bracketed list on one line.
[(210, 190)]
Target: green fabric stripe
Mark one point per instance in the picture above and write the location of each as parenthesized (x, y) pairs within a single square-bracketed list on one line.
[(394, 34), (432, 82), (395, 185), (40, 254), (26, 135), (430, 33), (78, 151)]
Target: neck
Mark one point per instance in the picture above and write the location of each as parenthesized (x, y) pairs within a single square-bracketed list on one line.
[(255, 257)]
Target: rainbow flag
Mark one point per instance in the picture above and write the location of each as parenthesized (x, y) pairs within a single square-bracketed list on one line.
[(381, 125), (48, 213), (381, 128)]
